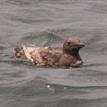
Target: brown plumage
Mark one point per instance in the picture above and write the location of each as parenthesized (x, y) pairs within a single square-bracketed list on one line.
[(68, 55)]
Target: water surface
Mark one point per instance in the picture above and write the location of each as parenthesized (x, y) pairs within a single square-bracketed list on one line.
[(48, 23)]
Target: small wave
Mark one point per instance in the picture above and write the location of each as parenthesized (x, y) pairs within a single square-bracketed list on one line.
[(42, 39), (19, 2)]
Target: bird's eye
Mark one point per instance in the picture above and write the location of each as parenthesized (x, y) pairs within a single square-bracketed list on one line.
[(68, 43)]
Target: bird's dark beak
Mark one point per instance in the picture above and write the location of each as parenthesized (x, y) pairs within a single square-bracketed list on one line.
[(78, 46), (81, 45)]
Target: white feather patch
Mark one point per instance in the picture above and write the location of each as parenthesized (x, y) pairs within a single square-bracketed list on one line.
[(26, 51)]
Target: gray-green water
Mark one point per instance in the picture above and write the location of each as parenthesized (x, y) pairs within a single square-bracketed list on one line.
[(48, 23)]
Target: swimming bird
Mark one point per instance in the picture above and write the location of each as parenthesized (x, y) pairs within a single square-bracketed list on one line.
[(67, 55)]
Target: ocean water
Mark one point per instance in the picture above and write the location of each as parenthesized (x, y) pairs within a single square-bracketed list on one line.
[(48, 23)]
